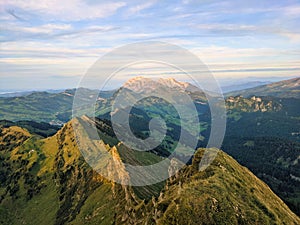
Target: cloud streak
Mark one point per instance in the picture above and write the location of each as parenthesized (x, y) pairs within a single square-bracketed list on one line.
[(68, 10), (63, 38), (140, 7)]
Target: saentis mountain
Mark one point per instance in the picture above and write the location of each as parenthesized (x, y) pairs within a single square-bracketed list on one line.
[(47, 181), (56, 108)]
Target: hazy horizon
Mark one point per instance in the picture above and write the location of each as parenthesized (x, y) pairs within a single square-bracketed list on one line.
[(224, 83)]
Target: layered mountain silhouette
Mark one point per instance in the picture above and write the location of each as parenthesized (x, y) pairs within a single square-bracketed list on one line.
[(47, 181), (43, 172), (56, 108), (282, 89)]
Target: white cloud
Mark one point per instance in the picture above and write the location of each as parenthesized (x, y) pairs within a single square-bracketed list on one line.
[(291, 11), (40, 50), (44, 29), (223, 29), (138, 8), (52, 26), (294, 37), (67, 10), (49, 31), (228, 27), (227, 52), (220, 58)]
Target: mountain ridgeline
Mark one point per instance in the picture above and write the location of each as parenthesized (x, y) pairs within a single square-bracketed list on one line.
[(46, 181), (43, 172), (282, 89), (56, 108)]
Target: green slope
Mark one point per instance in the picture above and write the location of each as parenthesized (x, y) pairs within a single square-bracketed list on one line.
[(225, 193), (46, 107), (54, 185)]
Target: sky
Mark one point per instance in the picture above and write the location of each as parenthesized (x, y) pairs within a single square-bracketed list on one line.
[(52, 44)]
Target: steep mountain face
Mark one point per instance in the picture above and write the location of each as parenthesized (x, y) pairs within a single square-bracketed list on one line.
[(263, 116), (271, 124), (267, 141), (46, 181), (282, 89), (253, 104), (224, 193), (274, 160), (139, 84), (56, 108), (263, 135)]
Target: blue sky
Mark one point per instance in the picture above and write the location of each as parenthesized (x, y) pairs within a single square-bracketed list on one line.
[(51, 44)]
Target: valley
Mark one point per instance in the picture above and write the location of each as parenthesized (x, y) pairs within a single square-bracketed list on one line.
[(41, 164), (48, 177), (119, 112)]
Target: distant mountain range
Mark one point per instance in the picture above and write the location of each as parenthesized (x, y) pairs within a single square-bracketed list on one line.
[(264, 125), (282, 89), (54, 108), (24, 93), (226, 84), (242, 86)]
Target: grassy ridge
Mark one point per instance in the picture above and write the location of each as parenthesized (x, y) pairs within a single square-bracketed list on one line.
[(54, 185)]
